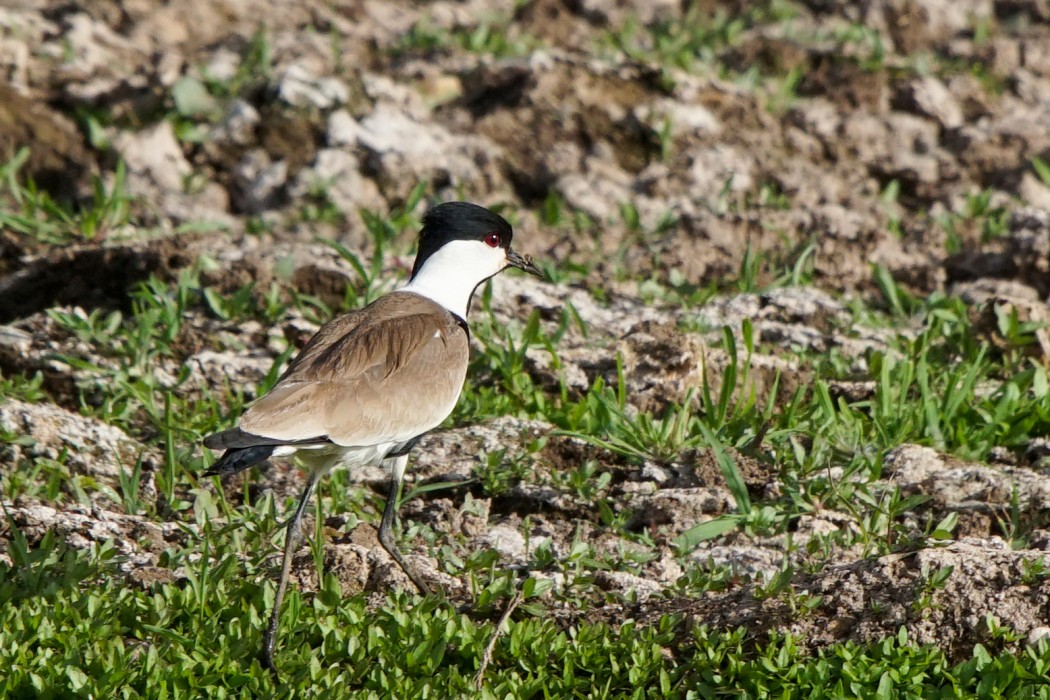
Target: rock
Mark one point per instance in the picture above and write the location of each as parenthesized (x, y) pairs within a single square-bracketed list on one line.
[(683, 119), (299, 88), (911, 464), (625, 584), (1035, 192), (1038, 451), (1023, 254), (1038, 634), (955, 485), (154, 159), (928, 97), (336, 173), (14, 62), (350, 563), (403, 150), (138, 540), (754, 562), (15, 339), (898, 145), (213, 368), (89, 48), (342, 129), (86, 446), (995, 300), (508, 541), (915, 22), (455, 454), (222, 66), (662, 365), (606, 13), (615, 317), (677, 510), (719, 169), (238, 124), (600, 198), (818, 117), (259, 182)]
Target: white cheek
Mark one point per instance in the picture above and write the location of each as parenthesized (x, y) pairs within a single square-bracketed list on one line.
[(477, 259), (450, 275)]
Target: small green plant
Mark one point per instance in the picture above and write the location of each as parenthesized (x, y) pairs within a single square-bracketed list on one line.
[(498, 37), (19, 386), (1042, 169), (255, 68), (1034, 570), (497, 474), (932, 581), (35, 214)]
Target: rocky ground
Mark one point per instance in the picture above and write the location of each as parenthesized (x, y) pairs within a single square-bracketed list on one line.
[(656, 151)]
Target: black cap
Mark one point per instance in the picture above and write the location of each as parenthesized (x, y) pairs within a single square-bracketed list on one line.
[(454, 221)]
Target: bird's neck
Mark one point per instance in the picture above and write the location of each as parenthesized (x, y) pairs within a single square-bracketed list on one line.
[(448, 287)]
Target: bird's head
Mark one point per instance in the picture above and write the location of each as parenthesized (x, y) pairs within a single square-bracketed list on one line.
[(468, 241)]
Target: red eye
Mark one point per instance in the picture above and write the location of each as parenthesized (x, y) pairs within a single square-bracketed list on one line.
[(493, 240)]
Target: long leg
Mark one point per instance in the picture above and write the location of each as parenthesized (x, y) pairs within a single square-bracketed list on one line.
[(386, 527), (291, 542)]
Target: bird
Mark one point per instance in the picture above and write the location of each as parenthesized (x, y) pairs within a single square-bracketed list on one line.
[(370, 383)]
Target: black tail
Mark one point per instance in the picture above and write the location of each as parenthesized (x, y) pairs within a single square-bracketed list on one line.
[(239, 459)]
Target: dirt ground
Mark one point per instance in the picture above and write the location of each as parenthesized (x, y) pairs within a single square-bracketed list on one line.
[(848, 130)]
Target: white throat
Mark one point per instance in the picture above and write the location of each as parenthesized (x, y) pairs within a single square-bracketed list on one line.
[(450, 275)]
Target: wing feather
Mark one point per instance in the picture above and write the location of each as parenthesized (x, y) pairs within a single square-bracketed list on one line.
[(384, 376)]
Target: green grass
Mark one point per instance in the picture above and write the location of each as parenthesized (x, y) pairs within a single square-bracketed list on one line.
[(695, 37), (33, 213), (68, 615), (71, 627), (495, 36)]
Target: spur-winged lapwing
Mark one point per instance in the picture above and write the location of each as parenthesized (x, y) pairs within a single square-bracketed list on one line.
[(370, 383)]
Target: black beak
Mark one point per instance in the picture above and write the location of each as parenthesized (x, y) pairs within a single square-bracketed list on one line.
[(523, 262)]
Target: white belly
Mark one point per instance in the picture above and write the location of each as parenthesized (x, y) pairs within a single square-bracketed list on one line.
[(329, 456)]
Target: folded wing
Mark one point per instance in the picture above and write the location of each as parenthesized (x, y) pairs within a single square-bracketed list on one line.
[(385, 374)]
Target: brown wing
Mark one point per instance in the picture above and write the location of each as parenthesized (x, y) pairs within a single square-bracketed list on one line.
[(392, 372)]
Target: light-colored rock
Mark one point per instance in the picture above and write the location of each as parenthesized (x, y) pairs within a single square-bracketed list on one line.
[(154, 159), (1035, 192), (405, 150), (756, 562), (956, 485), (342, 129), (929, 97), (507, 540), (138, 540), (616, 13), (683, 119), (213, 368), (15, 339), (337, 173), (937, 20), (599, 198), (616, 317), (680, 509), (89, 47), (14, 62), (299, 88), (87, 446), (719, 169), (1038, 634), (223, 65), (911, 464)]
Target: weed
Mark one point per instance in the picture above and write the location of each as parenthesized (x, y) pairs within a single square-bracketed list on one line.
[(36, 215)]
